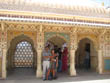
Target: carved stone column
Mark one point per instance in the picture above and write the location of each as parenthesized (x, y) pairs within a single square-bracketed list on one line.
[(73, 47), (72, 63), (40, 45), (4, 50), (100, 52), (0, 61), (39, 64), (4, 72), (100, 62)]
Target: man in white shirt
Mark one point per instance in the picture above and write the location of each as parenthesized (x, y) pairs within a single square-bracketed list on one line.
[(46, 62)]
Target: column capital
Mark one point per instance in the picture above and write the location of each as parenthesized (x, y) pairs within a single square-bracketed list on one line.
[(40, 40), (41, 28), (73, 47), (2, 26), (73, 41), (39, 47)]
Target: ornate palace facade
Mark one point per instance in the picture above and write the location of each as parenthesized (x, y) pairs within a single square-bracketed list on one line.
[(38, 22)]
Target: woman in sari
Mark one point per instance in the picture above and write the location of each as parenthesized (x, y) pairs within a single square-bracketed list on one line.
[(64, 59)]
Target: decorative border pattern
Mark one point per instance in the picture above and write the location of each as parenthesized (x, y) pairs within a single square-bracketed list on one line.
[(52, 18)]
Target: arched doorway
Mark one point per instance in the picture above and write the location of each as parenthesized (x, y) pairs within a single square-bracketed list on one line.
[(21, 57), (58, 42), (86, 57)]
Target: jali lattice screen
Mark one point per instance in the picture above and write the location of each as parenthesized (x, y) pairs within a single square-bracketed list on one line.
[(23, 55)]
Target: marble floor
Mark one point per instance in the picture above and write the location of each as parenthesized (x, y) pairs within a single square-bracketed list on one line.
[(27, 75)]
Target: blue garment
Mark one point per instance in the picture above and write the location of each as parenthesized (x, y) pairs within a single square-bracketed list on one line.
[(59, 65)]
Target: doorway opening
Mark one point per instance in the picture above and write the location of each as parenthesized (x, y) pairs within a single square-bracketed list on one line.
[(86, 57)]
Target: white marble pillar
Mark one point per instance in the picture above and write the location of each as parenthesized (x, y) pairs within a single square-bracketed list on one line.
[(4, 50), (72, 63), (40, 45), (39, 64), (4, 73), (100, 62)]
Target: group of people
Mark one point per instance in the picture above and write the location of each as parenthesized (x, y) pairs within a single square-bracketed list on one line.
[(54, 60)]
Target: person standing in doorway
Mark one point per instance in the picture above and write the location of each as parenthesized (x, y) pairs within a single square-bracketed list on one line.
[(87, 59), (59, 60), (46, 63)]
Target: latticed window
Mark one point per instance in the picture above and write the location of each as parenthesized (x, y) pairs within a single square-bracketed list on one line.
[(23, 55)]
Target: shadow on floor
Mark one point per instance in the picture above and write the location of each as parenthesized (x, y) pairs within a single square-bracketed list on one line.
[(21, 74)]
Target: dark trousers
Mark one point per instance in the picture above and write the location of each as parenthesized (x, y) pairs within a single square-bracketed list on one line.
[(87, 64)]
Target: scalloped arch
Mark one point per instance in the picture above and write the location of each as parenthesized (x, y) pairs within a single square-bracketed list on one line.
[(95, 42)]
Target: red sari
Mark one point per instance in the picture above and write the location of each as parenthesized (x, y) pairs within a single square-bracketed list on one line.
[(64, 59)]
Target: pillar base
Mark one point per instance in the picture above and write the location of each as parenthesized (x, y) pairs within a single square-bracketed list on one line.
[(72, 72), (100, 71), (3, 76), (38, 73)]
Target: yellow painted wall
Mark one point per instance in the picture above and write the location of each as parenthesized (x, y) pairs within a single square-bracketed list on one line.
[(94, 62)]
